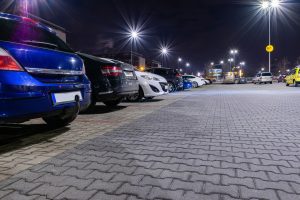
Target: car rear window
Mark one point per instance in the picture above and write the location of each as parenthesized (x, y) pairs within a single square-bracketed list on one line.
[(266, 74), (24, 33)]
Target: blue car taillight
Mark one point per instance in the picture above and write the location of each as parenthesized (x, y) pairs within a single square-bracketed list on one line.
[(7, 62)]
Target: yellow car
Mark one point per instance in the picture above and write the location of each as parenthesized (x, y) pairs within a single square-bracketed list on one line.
[(293, 78)]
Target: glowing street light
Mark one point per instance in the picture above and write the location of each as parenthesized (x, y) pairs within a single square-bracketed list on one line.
[(262, 69), (212, 63), (234, 52), (164, 51), (187, 65), (134, 36), (222, 62), (179, 59), (269, 5), (242, 63)]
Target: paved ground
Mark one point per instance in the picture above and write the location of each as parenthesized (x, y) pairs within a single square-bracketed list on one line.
[(219, 142)]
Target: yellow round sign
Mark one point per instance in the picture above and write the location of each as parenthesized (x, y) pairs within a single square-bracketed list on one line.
[(270, 48)]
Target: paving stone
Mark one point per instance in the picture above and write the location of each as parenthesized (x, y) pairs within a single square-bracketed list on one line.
[(158, 193), (258, 194), (48, 190), (75, 194), (22, 186), (104, 196), (187, 185), (17, 196), (230, 190), (195, 196), (139, 191), (107, 187), (158, 182)]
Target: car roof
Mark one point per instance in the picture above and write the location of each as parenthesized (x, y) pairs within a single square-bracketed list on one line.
[(26, 20), (95, 58)]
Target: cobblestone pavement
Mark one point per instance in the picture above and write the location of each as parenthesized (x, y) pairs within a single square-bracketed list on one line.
[(222, 142)]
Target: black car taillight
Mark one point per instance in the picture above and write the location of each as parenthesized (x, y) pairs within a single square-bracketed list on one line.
[(7, 62), (111, 71), (178, 75)]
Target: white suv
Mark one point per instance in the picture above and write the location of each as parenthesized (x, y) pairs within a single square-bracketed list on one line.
[(263, 77)]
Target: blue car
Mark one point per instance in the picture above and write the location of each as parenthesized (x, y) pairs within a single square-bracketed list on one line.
[(40, 76), (187, 85)]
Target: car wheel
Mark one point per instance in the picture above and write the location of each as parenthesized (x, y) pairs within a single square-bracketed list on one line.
[(171, 87), (112, 103), (195, 84), (136, 97), (271, 82), (296, 84), (287, 84), (63, 119)]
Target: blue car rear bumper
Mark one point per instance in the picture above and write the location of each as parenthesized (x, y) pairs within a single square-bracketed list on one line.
[(22, 97)]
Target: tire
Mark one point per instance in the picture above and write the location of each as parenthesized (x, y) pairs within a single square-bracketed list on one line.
[(63, 119), (171, 87), (112, 103), (271, 82), (195, 84), (287, 84), (296, 84), (136, 97)]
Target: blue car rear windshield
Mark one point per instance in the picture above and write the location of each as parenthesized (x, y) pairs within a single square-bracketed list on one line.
[(24, 33)]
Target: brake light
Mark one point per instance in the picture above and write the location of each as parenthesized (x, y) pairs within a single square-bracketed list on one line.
[(111, 71), (178, 75), (7, 62)]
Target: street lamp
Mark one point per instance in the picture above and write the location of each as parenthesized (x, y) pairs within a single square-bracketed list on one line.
[(234, 52), (212, 63), (164, 52), (179, 61), (134, 35), (187, 65), (262, 69), (222, 62), (230, 60), (270, 5)]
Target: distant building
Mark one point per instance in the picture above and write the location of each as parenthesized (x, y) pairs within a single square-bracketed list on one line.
[(153, 63)]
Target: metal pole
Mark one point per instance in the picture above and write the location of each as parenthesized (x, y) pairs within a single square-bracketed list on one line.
[(131, 52), (269, 38)]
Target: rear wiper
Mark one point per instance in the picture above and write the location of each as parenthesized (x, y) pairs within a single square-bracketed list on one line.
[(41, 44)]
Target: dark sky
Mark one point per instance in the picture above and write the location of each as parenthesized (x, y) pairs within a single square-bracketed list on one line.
[(198, 31)]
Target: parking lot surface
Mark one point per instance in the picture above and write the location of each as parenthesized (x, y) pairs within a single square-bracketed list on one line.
[(217, 142)]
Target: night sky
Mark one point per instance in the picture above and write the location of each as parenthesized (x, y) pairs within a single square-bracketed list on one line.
[(198, 31)]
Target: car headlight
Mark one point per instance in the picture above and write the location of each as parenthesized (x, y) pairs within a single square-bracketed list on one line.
[(146, 77)]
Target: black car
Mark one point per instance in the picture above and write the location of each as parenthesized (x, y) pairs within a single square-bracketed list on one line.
[(111, 80), (173, 77)]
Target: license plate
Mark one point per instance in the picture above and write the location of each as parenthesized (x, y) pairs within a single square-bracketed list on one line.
[(129, 74), (66, 97)]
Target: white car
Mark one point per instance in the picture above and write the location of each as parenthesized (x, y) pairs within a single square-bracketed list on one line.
[(263, 77), (151, 85), (197, 81)]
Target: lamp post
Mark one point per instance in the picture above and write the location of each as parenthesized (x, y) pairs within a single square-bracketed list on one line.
[(134, 35), (230, 60), (164, 52), (179, 61), (269, 5), (234, 52)]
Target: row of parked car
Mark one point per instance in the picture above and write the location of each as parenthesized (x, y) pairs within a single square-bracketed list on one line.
[(41, 76)]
